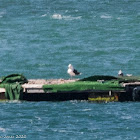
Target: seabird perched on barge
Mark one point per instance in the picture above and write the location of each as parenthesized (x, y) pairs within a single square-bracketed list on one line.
[(120, 73), (71, 71)]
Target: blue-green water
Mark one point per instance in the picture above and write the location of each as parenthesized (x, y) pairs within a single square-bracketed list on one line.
[(39, 38), (70, 120)]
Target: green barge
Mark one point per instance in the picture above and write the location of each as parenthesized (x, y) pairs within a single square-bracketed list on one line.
[(98, 88)]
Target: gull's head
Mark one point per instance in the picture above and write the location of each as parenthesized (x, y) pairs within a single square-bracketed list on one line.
[(70, 66)]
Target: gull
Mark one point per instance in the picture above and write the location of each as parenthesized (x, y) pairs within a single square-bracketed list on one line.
[(71, 71), (120, 73), (129, 75)]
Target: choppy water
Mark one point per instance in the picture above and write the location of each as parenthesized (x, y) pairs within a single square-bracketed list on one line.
[(70, 120), (39, 38)]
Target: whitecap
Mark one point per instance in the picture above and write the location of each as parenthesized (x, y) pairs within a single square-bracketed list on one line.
[(2, 14), (105, 16), (2, 129), (86, 109), (38, 118), (62, 131), (44, 15), (73, 101), (71, 18), (56, 16), (126, 117)]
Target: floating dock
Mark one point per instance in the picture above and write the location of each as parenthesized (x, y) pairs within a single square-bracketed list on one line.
[(98, 88), (35, 92)]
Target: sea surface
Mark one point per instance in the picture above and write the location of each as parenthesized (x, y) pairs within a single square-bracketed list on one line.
[(70, 120), (39, 38)]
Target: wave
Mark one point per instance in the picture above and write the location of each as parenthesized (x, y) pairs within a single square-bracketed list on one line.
[(56, 16), (109, 17), (126, 117), (44, 15), (87, 109), (106, 16), (59, 16), (2, 14), (2, 129), (72, 18)]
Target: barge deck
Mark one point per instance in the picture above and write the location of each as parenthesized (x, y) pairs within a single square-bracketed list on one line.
[(33, 91)]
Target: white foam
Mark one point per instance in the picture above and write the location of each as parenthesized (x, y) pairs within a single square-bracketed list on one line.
[(62, 131), (71, 18), (56, 16), (126, 117), (38, 118), (2, 14), (87, 109), (105, 16), (44, 15), (2, 129)]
